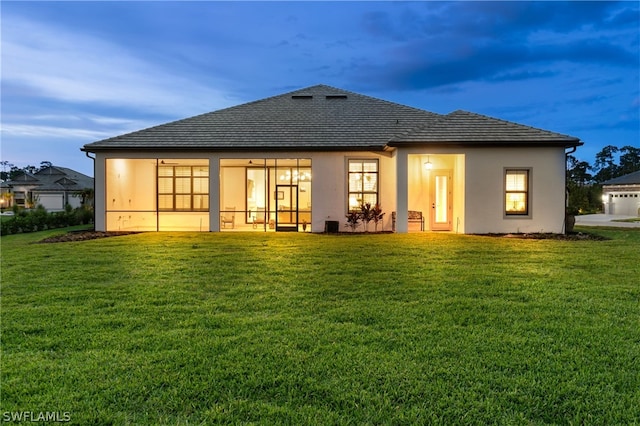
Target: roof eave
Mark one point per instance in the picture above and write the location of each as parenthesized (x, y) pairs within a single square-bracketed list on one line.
[(235, 149), (492, 144)]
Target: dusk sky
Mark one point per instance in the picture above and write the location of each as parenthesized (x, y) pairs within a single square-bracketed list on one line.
[(77, 72)]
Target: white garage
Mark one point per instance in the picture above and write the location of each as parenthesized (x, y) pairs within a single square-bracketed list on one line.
[(621, 195)]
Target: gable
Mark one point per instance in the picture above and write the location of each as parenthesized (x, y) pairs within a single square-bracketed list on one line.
[(53, 178), (51, 170)]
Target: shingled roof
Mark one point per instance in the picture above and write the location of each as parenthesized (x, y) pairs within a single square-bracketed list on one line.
[(53, 178), (324, 118), (462, 127), (628, 179)]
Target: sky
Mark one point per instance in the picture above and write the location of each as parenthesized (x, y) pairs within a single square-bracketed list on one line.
[(77, 72)]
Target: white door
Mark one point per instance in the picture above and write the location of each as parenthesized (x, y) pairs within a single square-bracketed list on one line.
[(441, 200)]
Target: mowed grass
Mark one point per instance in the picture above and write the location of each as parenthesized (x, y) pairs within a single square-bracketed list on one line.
[(198, 328)]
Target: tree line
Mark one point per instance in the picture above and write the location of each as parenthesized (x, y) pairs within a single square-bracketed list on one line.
[(584, 181), (15, 171)]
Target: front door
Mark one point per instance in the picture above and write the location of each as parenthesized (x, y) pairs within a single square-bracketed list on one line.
[(441, 201), (286, 207)]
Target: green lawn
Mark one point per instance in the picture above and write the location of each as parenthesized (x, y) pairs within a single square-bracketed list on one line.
[(188, 328)]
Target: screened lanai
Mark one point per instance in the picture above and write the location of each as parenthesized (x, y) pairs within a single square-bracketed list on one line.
[(258, 194)]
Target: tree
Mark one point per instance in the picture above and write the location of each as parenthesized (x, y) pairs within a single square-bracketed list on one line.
[(578, 171), (584, 196), (605, 164), (629, 160), (4, 175)]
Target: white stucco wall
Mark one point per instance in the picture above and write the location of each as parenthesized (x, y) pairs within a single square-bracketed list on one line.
[(484, 192), (478, 191), (329, 195)]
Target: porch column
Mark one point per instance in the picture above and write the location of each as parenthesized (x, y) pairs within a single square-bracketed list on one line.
[(402, 192), (214, 194), (99, 193)]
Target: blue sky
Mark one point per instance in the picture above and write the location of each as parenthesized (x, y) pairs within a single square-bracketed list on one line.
[(77, 72)]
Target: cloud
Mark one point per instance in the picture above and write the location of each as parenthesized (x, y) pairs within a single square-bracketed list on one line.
[(55, 63), (40, 131), (495, 41)]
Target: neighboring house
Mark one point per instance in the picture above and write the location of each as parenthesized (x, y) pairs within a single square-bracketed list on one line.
[(309, 156), (621, 195), (52, 187)]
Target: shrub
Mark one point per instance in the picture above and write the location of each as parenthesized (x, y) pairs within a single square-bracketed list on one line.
[(353, 219), (39, 219), (366, 214)]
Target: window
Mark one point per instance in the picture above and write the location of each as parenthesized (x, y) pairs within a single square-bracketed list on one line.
[(516, 184), (183, 188), (363, 183)]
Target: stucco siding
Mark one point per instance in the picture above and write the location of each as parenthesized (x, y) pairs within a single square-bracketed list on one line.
[(484, 192)]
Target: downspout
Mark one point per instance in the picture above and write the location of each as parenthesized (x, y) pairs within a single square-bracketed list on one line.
[(94, 186), (158, 194), (566, 191)]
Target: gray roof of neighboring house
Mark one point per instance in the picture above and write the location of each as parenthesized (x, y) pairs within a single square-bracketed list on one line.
[(324, 118), (53, 178), (628, 179)]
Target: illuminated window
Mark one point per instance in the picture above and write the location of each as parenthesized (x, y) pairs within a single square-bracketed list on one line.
[(516, 192), (363, 183), (183, 188)]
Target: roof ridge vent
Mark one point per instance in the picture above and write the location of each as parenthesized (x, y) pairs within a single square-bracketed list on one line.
[(336, 97), (301, 96)]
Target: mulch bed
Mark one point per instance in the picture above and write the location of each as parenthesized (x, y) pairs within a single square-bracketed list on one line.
[(92, 235), (573, 236), (84, 236)]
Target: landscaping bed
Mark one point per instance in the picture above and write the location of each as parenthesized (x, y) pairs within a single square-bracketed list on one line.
[(84, 235)]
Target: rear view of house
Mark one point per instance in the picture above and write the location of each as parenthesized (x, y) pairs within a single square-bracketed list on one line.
[(304, 159)]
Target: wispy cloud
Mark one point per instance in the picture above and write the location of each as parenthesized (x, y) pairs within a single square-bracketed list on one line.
[(56, 63), (29, 130)]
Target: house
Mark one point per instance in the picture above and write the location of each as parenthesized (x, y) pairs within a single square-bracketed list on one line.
[(53, 187), (621, 195), (302, 160)]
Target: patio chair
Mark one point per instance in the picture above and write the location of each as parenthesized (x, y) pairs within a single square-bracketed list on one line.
[(228, 216), (258, 219)]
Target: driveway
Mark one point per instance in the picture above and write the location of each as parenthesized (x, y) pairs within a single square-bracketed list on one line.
[(605, 220)]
